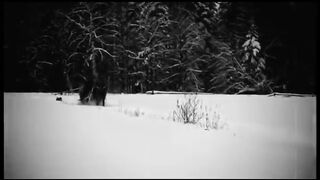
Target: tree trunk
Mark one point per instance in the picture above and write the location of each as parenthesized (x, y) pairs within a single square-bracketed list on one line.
[(141, 87), (69, 84), (126, 81), (153, 79), (108, 83)]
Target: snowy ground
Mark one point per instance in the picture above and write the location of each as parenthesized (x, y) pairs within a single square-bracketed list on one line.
[(133, 137)]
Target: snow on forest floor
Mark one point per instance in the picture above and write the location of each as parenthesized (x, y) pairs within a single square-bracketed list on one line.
[(134, 136)]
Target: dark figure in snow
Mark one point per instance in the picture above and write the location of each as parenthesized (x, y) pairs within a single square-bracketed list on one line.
[(90, 93), (99, 95), (85, 91)]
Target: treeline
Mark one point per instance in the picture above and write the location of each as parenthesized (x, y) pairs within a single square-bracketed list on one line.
[(135, 47)]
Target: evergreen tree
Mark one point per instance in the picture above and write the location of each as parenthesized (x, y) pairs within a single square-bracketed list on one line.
[(141, 46)]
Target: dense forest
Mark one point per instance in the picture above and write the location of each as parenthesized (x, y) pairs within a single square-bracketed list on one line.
[(134, 47)]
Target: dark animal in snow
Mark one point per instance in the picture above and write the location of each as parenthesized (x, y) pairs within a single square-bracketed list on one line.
[(99, 95)]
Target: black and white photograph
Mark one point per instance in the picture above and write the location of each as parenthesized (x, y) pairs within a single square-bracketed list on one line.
[(176, 89)]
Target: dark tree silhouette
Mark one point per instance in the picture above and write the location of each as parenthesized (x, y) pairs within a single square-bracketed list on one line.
[(135, 47)]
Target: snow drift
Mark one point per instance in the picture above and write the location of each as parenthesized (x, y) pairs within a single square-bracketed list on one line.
[(134, 137)]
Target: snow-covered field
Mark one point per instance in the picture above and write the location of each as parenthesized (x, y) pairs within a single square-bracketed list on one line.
[(133, 137)]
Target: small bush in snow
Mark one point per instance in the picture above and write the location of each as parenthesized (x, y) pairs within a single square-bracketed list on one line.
[(137, 112), (212, 120), (132, 112), (191, 110)]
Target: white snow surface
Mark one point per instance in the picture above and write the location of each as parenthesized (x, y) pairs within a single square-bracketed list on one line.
[(133, 136)]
